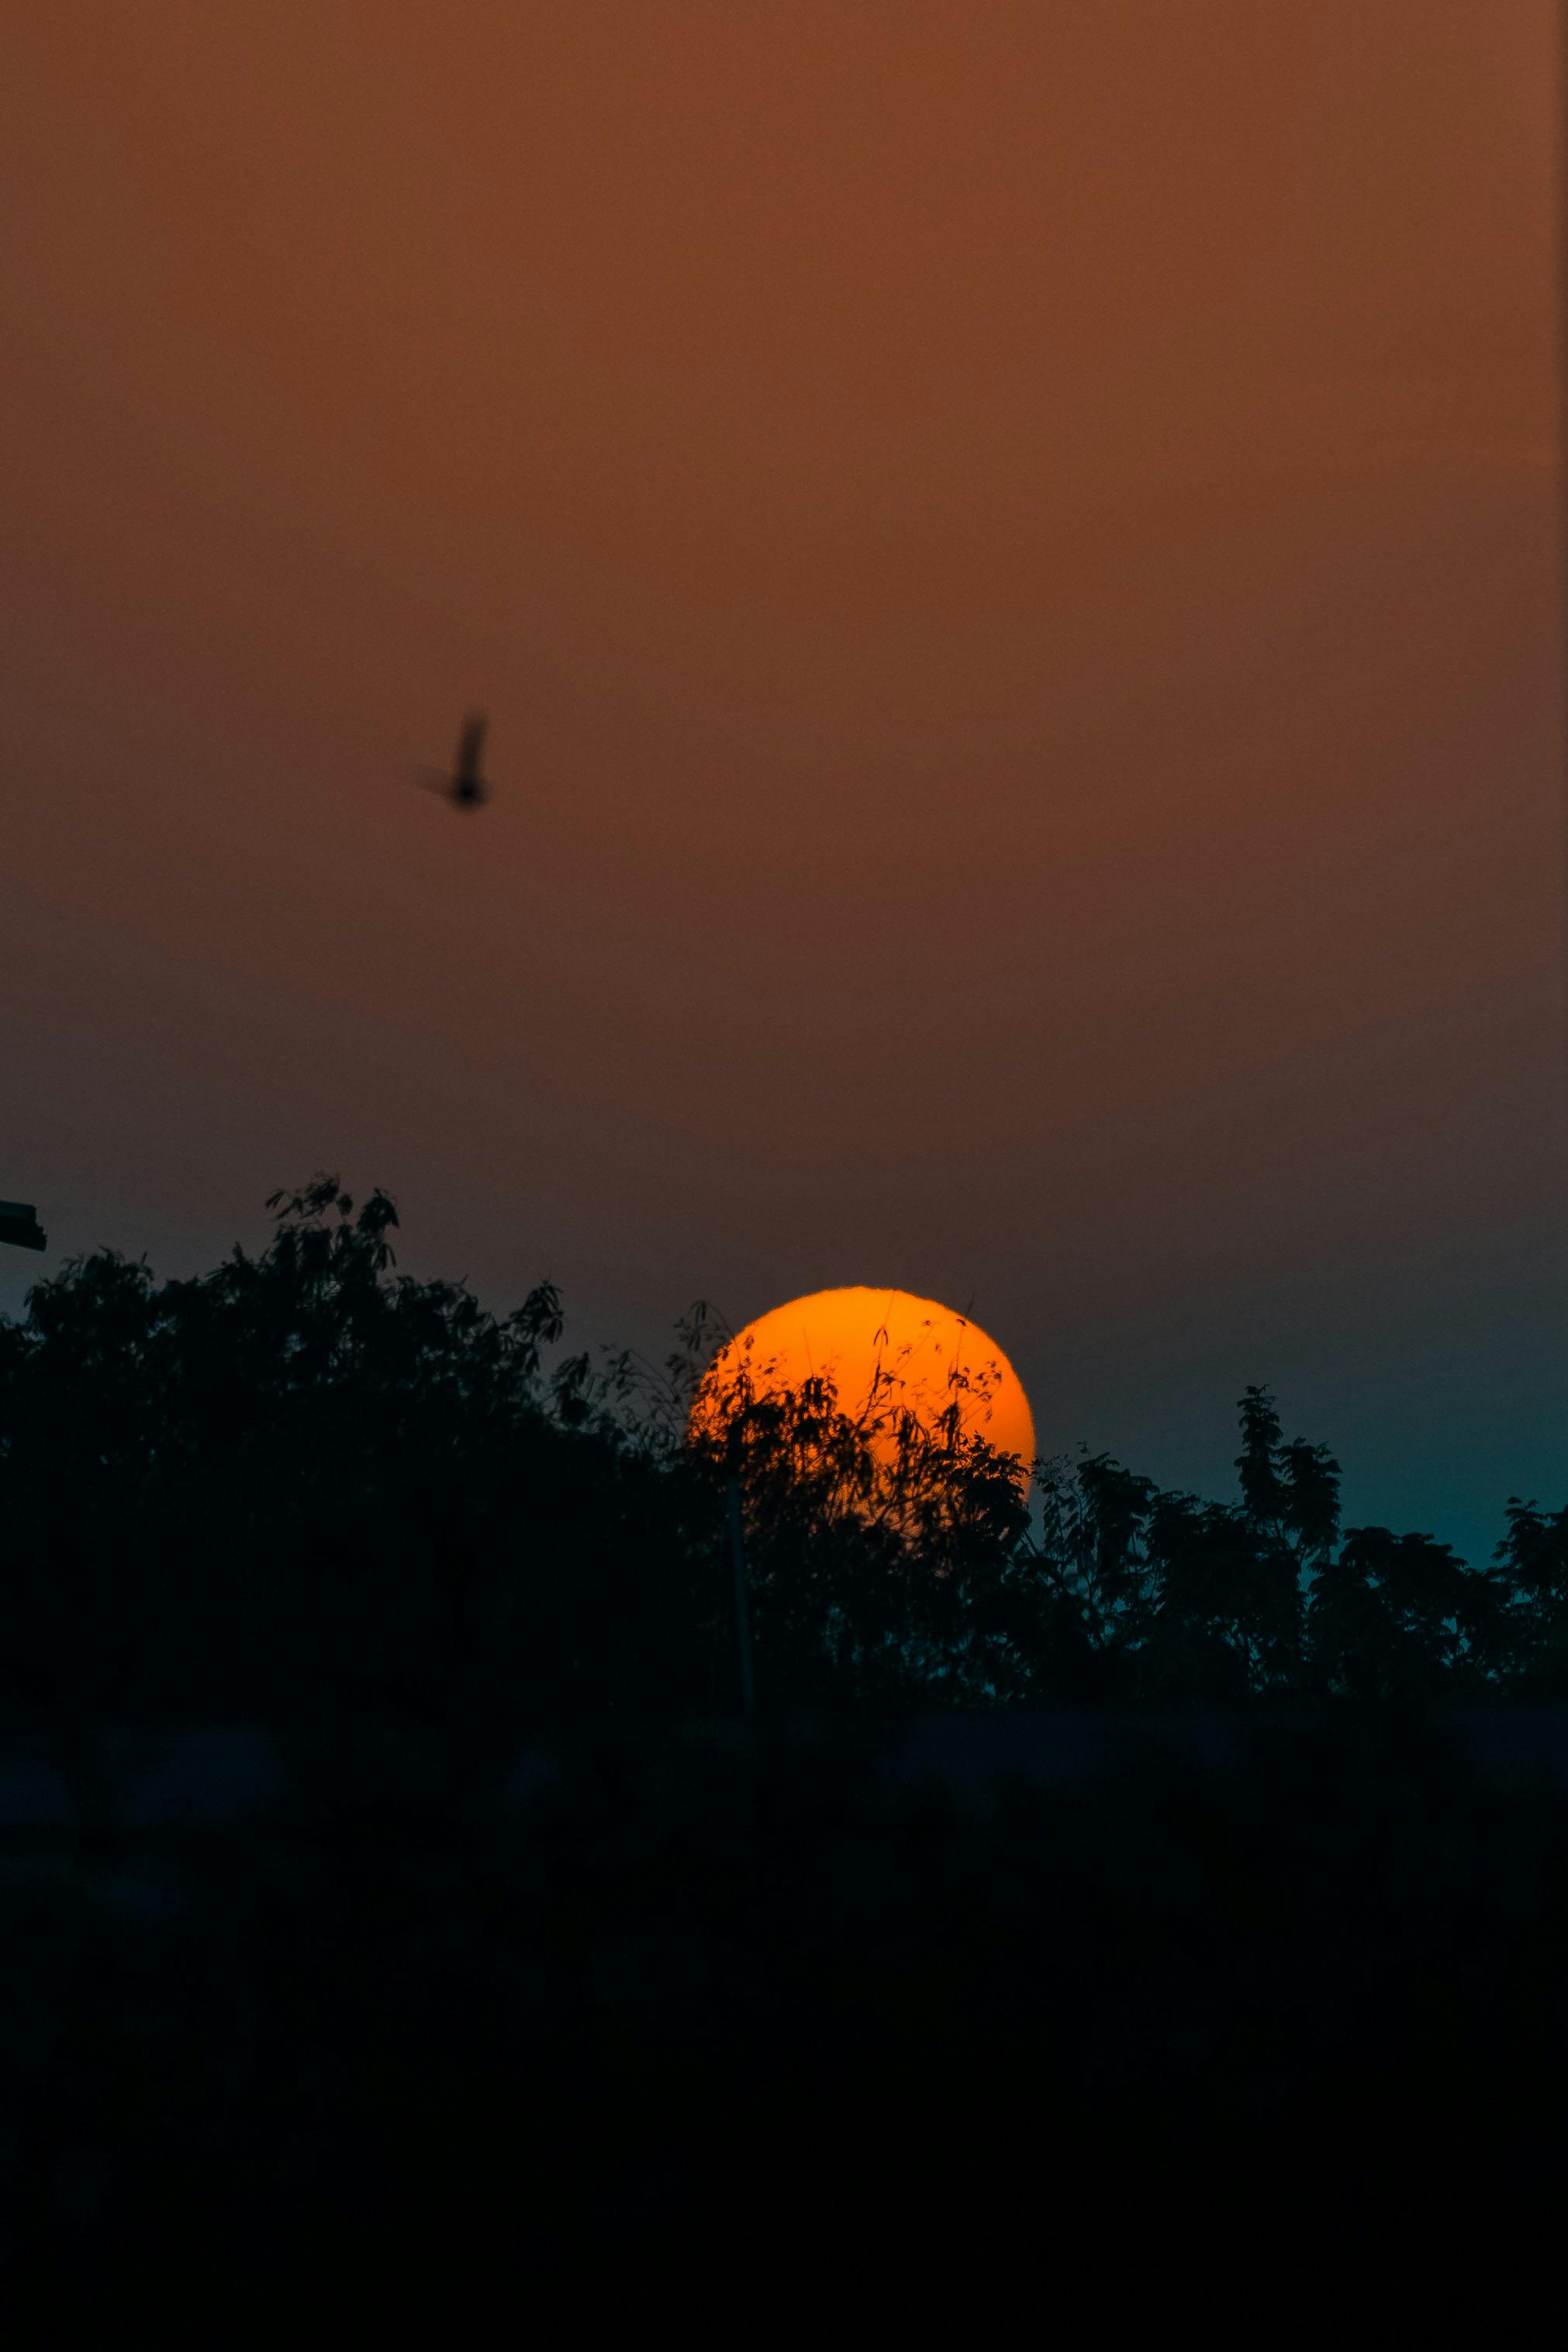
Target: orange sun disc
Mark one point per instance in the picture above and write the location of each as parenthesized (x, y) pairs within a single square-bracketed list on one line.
[(931, 1357)]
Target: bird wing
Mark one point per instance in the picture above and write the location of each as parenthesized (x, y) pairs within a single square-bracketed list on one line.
[(470, 743)]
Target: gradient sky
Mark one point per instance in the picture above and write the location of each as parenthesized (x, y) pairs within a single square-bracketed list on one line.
[(1010, 549)]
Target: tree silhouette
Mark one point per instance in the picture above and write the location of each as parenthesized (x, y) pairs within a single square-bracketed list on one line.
[(877, 1539), (434, 2013), (306, 1481), (1401, 1617), (1533, 1565), (305, 1472), (1263, 1496)]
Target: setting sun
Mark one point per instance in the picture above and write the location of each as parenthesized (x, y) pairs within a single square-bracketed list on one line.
[(925, 1357)]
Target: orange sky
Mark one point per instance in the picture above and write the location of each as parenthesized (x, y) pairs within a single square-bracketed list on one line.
[(1010, 552)]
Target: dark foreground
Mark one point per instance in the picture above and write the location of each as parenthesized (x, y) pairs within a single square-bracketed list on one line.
[(1148, 2011)]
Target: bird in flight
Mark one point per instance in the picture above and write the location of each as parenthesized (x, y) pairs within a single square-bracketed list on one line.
[(465, 787)]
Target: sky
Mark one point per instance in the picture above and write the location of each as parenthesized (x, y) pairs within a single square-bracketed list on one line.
[(1012, 556)]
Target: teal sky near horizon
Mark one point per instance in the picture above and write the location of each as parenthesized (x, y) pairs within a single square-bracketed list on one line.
[(1013, 558)]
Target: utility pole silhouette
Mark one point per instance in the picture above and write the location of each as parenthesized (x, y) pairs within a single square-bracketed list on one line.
[(19, 1225), (743, 1612)]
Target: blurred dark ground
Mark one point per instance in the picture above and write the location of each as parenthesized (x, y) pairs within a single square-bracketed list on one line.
[(1109, 2005)]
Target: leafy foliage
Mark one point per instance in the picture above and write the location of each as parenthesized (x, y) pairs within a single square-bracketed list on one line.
[(873, 1535), (305, 1475), (306, 1479)]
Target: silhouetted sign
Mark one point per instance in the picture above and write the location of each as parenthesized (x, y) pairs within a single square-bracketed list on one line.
[(19, 1225)]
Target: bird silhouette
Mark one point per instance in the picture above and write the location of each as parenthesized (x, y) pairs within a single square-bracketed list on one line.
[(465, 787)]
